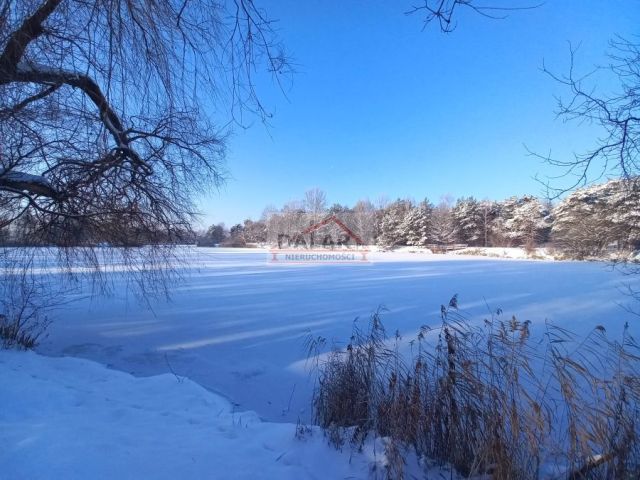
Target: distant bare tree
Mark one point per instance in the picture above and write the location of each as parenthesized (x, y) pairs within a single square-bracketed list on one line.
[(315, 203), (289, 223), (364, 220)]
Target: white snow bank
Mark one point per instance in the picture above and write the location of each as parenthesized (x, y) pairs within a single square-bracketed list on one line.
[(75, 419), (507, 252), (492, 252), (413, 249)]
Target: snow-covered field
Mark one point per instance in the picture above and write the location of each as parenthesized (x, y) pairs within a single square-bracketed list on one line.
[(231, 341), (237, 325)]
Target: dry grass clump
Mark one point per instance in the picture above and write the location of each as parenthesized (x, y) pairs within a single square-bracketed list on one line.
[(23, 297), (488, 400)]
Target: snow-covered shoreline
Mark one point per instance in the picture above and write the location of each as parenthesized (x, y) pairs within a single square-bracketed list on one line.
[(412, 252), (76, 419)]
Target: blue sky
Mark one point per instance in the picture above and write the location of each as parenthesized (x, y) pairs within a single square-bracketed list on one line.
[(380, 108)]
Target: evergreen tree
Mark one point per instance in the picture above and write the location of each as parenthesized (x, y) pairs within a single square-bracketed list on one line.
[(417, 224), (392, 230), (523, 221), (255, 232), (488, 214), (592, 219), (214, 236), (467, 218), (442, 227)]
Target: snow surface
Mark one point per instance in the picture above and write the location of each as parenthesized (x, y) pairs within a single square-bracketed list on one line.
[(508, 252), (237, 325), (67, 418)]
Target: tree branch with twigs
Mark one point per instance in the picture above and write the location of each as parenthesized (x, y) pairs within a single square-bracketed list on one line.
[(446, 12), (616, 151), (107, 109)]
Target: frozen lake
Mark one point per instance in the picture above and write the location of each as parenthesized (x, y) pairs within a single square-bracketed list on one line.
[(237, 324)]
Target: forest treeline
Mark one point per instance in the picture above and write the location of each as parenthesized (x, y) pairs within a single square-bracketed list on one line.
[(586, 223)]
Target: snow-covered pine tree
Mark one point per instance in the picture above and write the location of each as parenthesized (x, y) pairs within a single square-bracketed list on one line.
[(592, 219), (624, 212), (442, 228), (488, 214), (468, 224), (417, 224), (502, 225), (524, 221), (254, 232), (391, 229)]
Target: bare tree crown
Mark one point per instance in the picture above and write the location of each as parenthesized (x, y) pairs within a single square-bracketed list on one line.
[(105, 110)]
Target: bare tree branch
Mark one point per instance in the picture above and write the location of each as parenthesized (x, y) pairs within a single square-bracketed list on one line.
[(617, 115), (445, 11), (30, 29)]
